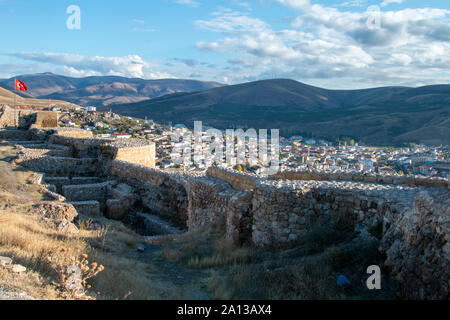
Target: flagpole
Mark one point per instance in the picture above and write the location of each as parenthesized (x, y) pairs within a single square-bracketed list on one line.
[(15, 112)]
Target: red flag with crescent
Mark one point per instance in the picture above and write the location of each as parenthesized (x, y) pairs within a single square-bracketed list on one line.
[(20, 85)]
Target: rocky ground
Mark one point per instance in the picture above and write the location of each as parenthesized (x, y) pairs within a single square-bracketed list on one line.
[(6, 294)]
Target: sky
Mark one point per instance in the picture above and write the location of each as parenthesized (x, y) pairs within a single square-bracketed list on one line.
[(341, 44)]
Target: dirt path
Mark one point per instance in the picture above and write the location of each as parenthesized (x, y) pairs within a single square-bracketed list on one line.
[(190, 281)]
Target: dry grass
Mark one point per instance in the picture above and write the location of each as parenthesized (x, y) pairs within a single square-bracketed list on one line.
[(207, 248), (14, 189), (305, 270), (7, 97), (242, 273), (294, 282), (29, 241)]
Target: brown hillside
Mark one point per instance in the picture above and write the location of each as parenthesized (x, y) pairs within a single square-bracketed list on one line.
[(7, 97)]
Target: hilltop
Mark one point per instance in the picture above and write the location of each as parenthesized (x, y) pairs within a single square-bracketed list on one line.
[(104, 91), (24, 99), (387, 115)]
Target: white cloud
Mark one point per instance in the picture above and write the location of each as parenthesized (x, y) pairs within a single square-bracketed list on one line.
[(326, 43), (232, 22), (128, 66), (242, 4), (288, 49), (189, 3), (388, 2), (353, 3), (139, 21)]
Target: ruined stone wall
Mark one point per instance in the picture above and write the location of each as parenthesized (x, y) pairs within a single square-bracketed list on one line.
[(285, 210), (7, 117), (46, 119), (88, 208), (13, 134), (22, 118), (209, 200), (80, 147), (414, 223), (240, 217), (417, 246), (134, 151), (87, 192), (59, 182), (144, 156), (238, 180), (74, 133), (160, 192), (370, 178), (189, 200), (60, 165), (43, 151)]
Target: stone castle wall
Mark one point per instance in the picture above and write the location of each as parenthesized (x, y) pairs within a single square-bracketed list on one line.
[(134, 151), (417, 246), (143, 155), (189, 200), (370, 178), (14, 134), (60, 165), (208, 200), (26, 118), (413, 219), (46, 119), (285, 210), (21, 118), (160, 192), (73, 133), (237, 180)]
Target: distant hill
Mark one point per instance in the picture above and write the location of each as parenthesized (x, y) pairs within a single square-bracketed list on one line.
[(388, 115), (104, 91)]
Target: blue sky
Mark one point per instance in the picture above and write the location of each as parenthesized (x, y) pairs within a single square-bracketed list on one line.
[(326, 43)]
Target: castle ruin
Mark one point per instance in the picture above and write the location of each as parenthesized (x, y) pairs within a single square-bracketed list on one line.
[(118, 179)]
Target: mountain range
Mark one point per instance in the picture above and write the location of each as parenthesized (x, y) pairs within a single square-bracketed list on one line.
[(386, 115), (103, 91)]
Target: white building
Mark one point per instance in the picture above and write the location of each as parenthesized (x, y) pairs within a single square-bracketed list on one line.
[(122, 135)]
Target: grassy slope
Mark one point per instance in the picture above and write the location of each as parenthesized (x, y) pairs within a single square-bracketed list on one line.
[(7, 97)]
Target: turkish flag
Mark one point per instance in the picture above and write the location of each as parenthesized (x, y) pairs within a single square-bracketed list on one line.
[(19, 85)]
